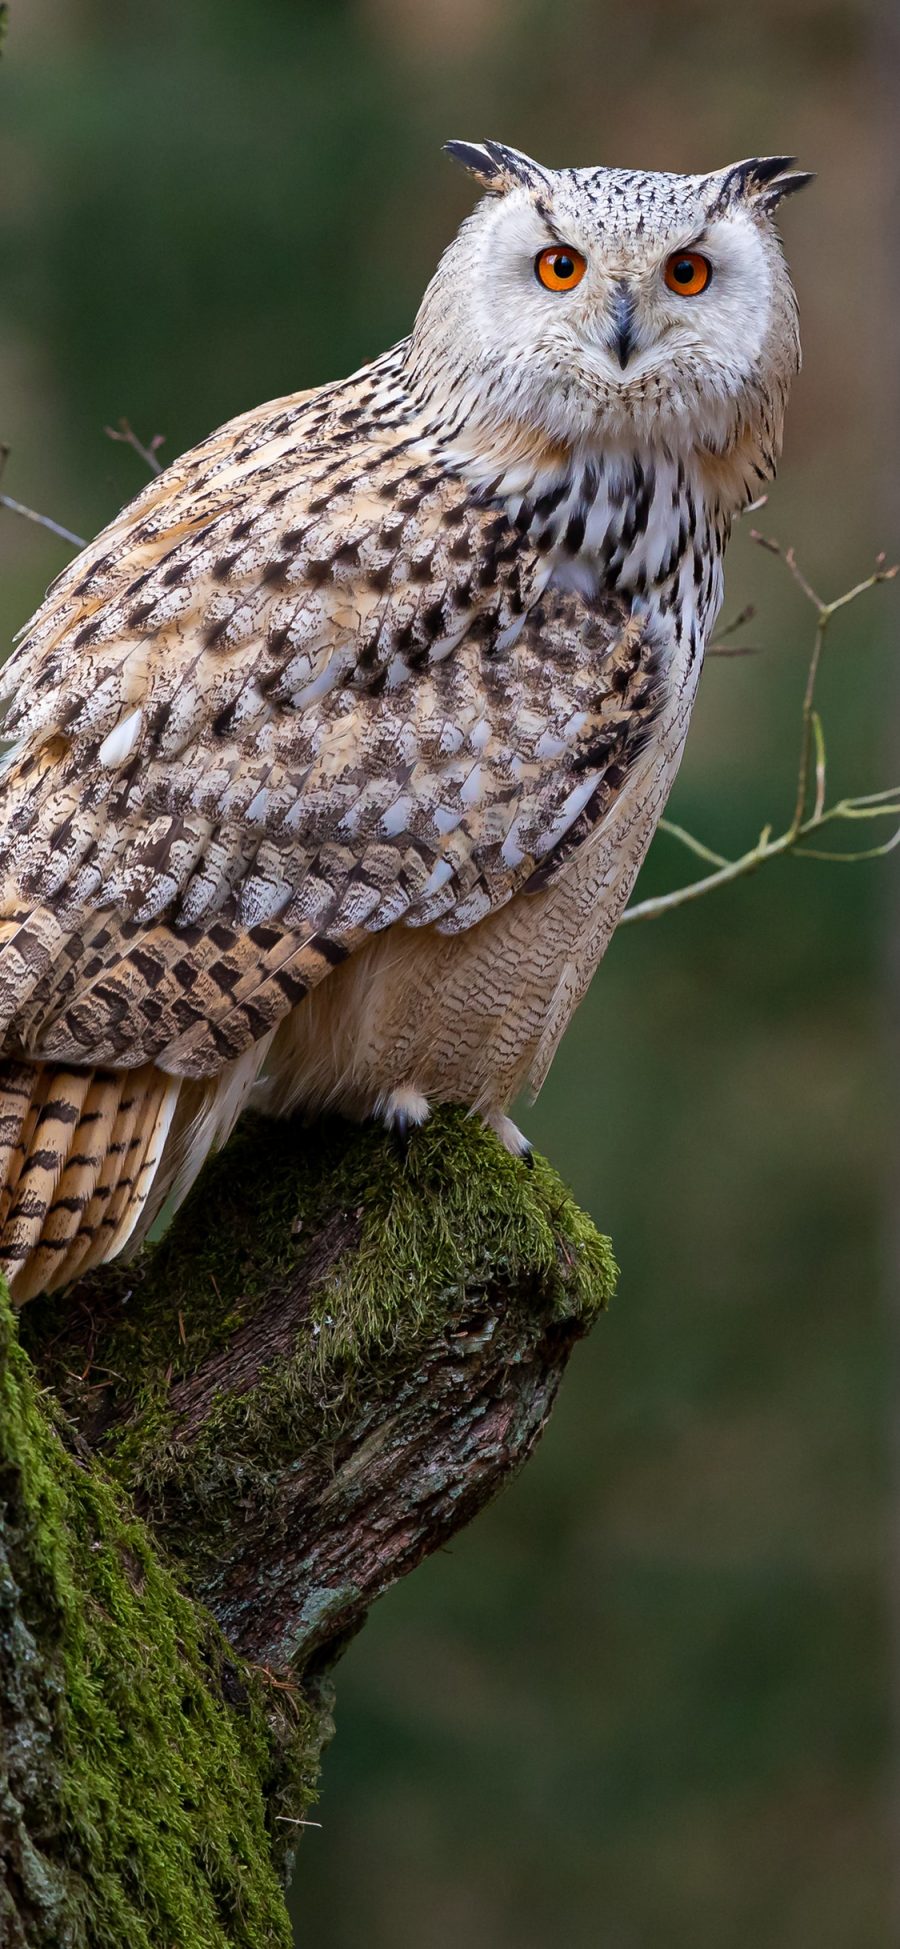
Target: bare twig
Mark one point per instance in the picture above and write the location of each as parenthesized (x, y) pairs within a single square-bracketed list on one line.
[(734, 649), (722, 646), (693, 845), (31, 514), (41, 520), (125, 433), (811, 772), (746, 615)]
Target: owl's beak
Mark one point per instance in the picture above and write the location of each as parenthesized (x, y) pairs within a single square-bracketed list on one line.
[(622, 335)]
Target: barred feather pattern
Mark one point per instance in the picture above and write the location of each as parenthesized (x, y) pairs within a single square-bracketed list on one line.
[(315, 686), (297, 726)]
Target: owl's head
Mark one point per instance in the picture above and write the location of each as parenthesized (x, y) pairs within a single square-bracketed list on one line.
[(615, 305)]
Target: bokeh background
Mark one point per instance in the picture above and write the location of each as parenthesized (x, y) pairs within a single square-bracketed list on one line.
[(646, 1702)]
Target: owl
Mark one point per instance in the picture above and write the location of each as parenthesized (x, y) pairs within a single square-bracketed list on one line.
[(333, 759)]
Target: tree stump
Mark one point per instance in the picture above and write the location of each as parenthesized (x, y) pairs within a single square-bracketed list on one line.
[(212, 1461)]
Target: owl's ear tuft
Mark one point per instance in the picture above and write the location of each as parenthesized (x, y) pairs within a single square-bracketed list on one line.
[(497, 168), (761, 181)]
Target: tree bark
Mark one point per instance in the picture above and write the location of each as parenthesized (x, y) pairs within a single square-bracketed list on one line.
[(211, 1463)]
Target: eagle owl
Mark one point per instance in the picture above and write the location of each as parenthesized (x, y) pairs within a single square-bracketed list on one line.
[(333, 760)]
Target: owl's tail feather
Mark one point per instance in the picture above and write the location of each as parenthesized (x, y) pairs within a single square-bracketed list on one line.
[(79, 1151)]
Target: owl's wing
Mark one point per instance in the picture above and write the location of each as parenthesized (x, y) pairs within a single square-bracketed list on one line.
[(306, 687)]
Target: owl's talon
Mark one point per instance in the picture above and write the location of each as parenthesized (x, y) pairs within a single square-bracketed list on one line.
[(401, 1112), (509, 1134)]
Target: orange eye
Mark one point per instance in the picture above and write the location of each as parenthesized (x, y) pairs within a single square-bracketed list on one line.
[(688, 273), (560, 268)]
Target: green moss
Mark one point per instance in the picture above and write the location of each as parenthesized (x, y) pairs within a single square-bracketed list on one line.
[(168, 1779), (397, 1241), (139, 1757)]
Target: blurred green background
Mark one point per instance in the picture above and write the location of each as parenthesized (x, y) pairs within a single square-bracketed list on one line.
[(645, 1703)]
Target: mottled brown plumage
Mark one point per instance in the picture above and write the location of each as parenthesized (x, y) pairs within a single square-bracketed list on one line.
[(337, 753)]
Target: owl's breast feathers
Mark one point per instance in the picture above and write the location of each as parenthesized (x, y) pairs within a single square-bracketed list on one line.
[(308, 686)]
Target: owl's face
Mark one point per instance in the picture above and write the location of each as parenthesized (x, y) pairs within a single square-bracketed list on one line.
[(614, 305)]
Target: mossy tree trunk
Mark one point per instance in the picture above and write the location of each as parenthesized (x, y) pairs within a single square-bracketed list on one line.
[(211, 1463)]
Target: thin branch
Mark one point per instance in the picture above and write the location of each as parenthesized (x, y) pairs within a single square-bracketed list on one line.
[(792, 563), (768, 848), (812, 766), (868, 798), (41, 520), (734, 649), (126, 435), (693, 845), (723, 647), (31, 514), (737, 622), (869, 852), (732, 870), (806, 734), (819, 738)]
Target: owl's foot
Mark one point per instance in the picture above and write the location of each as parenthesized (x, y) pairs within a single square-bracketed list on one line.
[(510, 1136), (402, 1111)]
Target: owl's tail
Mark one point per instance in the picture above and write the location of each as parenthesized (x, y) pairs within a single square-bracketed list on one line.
[(79, 1153)]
